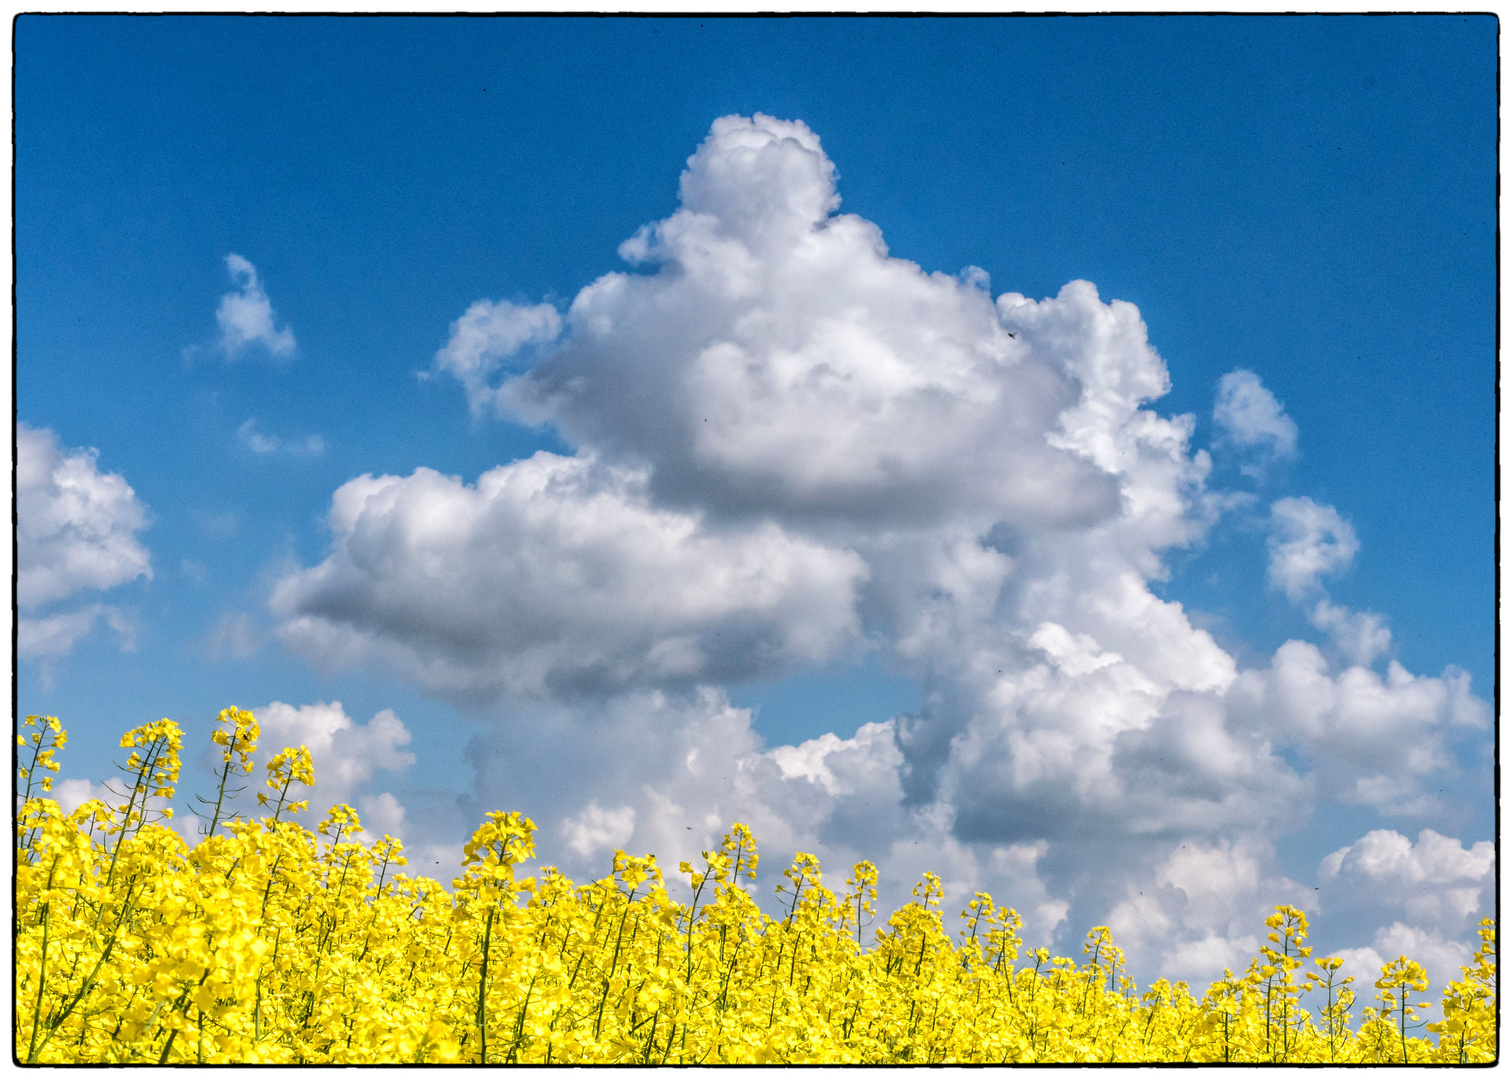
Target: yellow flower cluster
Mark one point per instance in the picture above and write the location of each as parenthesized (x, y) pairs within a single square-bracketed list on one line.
[(267, 942), (44, 742)]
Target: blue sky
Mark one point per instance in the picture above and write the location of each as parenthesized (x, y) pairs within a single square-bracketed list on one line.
[(1310, 200)]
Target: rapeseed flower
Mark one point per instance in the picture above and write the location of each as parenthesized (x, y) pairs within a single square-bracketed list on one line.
[(270, 943)]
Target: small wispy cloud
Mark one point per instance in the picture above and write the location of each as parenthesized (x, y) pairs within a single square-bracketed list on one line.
[(46, 640), (1249, 418), (54, 636), (246, 315), (235, 635), (212, 524), (1307, 540), (258, 443)]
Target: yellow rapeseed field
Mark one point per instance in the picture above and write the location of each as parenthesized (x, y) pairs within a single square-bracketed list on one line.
[(268, 943)]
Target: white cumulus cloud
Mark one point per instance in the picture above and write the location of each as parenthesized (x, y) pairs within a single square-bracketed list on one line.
[(75, 532), (1376, 740), (597, 830), (382, 814), (1442, 958), (1436, 882), (1202, 907), (793, 446), (780, 361), (73, 793), (668, 773), (555, 574), (1307, 541), (76, 526), (1360, 636)]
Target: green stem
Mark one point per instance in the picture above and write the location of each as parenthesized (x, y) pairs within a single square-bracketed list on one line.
[(483, 992)]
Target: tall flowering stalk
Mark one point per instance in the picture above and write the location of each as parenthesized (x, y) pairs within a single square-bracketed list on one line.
[(236, 733)]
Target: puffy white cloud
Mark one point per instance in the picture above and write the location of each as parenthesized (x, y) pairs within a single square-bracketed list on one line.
[(75, 531), (1384, 855), (246, 317), (990, 461), (258, 443), (556, 574), (75, 525), (792, 445), (668, 773), (1202, 907), (346, 755), (1054, 747), (780, 361), (382, 814), (1375, 739), (486, 336), (1249, 417), (73, 793), (597, 830), (1307, 540), (1437, 883)]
